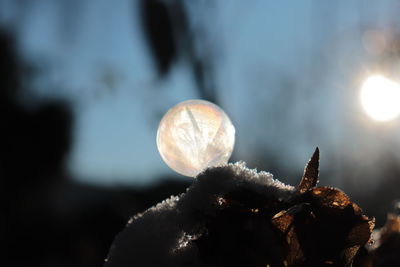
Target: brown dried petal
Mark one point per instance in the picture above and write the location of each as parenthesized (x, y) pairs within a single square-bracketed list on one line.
[(326, 230), (361, 233), (284, 222), (330, 197), (311, 173)]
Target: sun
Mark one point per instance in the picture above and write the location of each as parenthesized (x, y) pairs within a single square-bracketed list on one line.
[(380, 97)]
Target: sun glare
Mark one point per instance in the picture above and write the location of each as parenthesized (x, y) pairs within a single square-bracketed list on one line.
[(380, 97)]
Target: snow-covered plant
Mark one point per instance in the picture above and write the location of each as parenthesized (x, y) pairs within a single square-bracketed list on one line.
[(234, 216)]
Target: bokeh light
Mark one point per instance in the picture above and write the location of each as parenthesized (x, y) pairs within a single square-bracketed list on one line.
[(380, 98)]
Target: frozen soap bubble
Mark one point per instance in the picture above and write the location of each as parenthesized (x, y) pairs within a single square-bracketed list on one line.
[(194, 135)]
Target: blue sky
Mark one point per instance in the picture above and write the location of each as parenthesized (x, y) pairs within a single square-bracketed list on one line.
[(103, 67)]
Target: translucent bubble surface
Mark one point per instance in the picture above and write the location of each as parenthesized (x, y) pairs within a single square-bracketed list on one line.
[(194, 135)]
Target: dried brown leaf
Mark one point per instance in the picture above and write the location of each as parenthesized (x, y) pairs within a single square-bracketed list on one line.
[(330, 197), (311, 173), (283, 221)]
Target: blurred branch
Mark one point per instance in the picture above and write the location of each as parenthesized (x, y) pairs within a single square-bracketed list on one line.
[(169, 36)]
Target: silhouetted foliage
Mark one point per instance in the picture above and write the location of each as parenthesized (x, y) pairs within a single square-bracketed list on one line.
[(166, 29), (48, 219), (159, 31), (8, 69)]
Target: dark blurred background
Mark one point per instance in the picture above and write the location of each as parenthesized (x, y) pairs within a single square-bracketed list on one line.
[(83, 85)]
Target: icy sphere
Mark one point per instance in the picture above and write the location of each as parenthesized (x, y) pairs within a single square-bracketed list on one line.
[(194, 135)]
